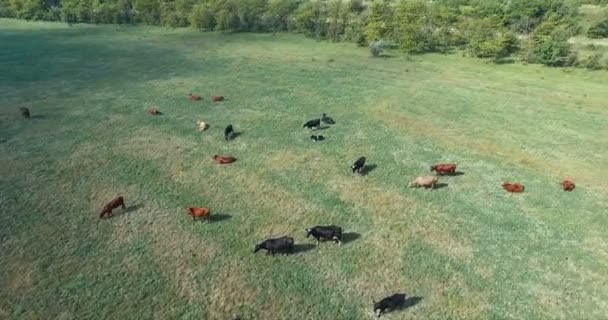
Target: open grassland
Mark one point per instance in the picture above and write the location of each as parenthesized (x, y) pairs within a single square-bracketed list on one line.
[(469, 250)]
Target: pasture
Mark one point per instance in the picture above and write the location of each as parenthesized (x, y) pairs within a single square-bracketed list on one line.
[(468, 250)]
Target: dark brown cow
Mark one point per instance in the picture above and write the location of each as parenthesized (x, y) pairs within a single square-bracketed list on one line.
[(568, 185), (513, 187), (217, 98), (115, 203), (194, 97)]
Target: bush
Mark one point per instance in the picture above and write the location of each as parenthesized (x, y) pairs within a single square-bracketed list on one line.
[(487, 39), (201, 17), (600, 30), (548, 50)]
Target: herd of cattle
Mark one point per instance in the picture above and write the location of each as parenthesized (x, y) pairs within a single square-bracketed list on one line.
[(285, 244)]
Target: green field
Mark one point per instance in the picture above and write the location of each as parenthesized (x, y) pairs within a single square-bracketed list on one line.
[(469, 250)]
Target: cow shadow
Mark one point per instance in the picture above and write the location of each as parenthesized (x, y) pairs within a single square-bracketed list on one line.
[(349, 237), (409, 302), (132, 208), (38, 117), (302, 248), (236, 135), (455, 174), (322, 128), (441, 185), (367, 169), (219, 217)]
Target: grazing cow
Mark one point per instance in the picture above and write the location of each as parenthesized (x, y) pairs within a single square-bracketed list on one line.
[(272, 246), (325, 232), (115, 203), (513, 187), (229, 133), (444, 168), (153, 112), (427, 182), (315, 123), (317, 138), (224, 159), (201, 126), (392, 303), (203, 213), (327, 119), (358, 165), (25, 112), (217, 98), (194, 97), (568, 185)]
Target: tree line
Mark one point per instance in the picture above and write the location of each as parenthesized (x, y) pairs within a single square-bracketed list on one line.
[(537, 30)]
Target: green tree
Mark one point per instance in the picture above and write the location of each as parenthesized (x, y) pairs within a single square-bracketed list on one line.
[(599, 30), (486, 38), (202, 17), (380, 21)]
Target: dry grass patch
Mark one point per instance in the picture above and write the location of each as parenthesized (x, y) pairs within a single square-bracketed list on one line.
[(18, 276), (154, 145)]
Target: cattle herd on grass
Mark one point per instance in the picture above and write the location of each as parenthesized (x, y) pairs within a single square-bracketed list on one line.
[(285, 244)]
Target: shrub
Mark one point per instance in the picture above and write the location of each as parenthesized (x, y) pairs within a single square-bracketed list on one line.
[(487, 39), (201, 17), (377, 47), (599, 30)]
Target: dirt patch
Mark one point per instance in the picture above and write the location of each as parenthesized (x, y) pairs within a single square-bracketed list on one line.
[(19, 276)]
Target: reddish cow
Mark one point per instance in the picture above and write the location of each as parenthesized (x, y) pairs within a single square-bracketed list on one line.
[(217, 98), (115, 203), (513, 187), (568, 185), (153, 111), (444, 168), (194, 97), (203, 213), (224, 159)]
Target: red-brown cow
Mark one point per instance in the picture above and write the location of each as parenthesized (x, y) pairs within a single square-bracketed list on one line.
[(203, 213), (115, 203), (217, 98), (224, 159), (568, 185), (444, 168), (513, 187), (194, 97), (153, 112)]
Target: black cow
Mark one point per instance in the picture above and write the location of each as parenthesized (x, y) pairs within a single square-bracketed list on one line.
[(25, 112), (283, 244), (358, 165), (327, 119), (315, 123), (317, 138), (325, 232), (229, 132), (392, 302)]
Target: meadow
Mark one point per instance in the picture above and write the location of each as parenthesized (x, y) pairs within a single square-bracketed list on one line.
[(467, 251)]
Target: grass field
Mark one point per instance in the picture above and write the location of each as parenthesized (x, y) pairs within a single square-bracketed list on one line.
[(469, 250)]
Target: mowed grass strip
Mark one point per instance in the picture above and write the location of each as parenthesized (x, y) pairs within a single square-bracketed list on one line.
[(469, 250)]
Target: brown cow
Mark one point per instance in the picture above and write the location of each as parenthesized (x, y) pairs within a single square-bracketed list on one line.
[(194, 97), (224, 159), (568, 185), (115, 203), (204, 213), (427, 182), (444, 168), (513, 187), (217, 98), (154, 112)]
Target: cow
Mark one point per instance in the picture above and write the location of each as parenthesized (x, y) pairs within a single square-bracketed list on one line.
[(201, 126), (358, 165), (393, 302), (203, 213), (427, 182), (115, 203), (317, 138), (444, 168), (224, 159), (327, 119), (153, 112), (315, 123), (229, 132), (25, 112), (513, 187), (273, 246), (194, 97), (325, 232), (217, 98), (568, 185)]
